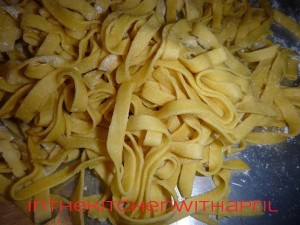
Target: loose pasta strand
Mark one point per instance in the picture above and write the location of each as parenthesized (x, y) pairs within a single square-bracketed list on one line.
[(146, 94)]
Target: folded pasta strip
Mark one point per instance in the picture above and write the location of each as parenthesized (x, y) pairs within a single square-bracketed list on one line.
[(145, 94)]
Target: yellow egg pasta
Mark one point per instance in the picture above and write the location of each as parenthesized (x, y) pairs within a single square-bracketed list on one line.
[(146, 95)]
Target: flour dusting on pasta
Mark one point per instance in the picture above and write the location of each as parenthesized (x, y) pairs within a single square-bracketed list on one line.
[(145, 94)]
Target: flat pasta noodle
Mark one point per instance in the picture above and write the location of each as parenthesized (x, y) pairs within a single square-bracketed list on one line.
[(145, 94)]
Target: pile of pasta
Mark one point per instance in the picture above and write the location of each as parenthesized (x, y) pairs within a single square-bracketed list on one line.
[(146, 94)]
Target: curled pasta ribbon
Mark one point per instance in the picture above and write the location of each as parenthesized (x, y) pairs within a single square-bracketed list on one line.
[(46, 182), (117, 129), (66, 17), (144, 96), (148, 166), (74, 101), (140, 42), (12, 157), (287, 22)]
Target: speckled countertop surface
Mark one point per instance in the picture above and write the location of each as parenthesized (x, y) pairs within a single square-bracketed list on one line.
[(274, 176)]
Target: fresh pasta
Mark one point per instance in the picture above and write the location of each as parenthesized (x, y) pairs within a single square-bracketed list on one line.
[(145, 94)]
